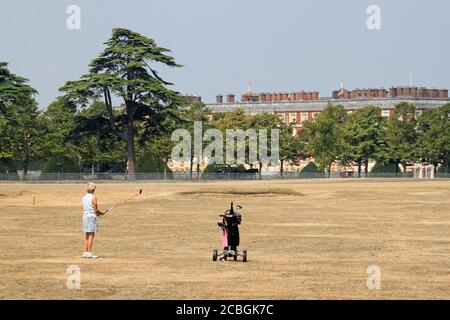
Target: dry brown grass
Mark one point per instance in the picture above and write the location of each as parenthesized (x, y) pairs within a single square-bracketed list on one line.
[(317, 245)]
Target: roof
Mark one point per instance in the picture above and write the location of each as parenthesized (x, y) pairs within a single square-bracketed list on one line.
[(319, 105)]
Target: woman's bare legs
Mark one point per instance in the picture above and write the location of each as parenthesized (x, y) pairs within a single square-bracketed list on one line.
[(86, 242), (90, 241)]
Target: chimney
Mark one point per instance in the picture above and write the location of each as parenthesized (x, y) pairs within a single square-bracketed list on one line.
[(422, 93), (231, 98), (443, 94), (316, 95), (393, 92), (435, 93), (219, 98), (262, 97)]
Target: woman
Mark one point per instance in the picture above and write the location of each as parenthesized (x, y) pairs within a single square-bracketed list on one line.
[(90, 213)]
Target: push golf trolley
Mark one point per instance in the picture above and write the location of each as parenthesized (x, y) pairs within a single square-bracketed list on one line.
[(230, 230)]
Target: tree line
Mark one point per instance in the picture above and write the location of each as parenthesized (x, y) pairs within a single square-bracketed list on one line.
[(83, 131), (401, 140)]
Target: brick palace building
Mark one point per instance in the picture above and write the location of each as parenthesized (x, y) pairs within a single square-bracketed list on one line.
[(297, 107)]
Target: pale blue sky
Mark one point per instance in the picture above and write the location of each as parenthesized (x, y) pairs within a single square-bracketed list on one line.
[(282, 45)]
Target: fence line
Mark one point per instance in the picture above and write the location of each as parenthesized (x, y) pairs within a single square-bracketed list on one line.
[(186, 176)]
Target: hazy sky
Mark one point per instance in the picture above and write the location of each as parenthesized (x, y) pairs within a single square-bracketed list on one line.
[(281, 45)]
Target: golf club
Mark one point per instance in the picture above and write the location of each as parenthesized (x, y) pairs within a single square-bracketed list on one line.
[(123, 202)]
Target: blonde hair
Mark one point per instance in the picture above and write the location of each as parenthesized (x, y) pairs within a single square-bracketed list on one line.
[(90, 188)]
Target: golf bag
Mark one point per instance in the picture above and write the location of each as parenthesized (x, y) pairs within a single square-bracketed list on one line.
[(230, 228), (230, 236)]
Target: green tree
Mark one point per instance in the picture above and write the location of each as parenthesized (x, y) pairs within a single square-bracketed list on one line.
[(401, 136), (234, 120), (384, 167), (269, 122), (95, 142), (56, 144), (362, 137), (156, 155), (433, 137), (124, 69), (6, 138), (12, 89), (291, 149), (27, 132), (309, 170), (323, 136), (155, 152), (196, 111)]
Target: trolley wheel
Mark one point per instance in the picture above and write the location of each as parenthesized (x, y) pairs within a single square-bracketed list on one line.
[(244, 255), (215, 254)]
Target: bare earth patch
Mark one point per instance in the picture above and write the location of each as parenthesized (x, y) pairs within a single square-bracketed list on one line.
[(268, 191), (315, 246)]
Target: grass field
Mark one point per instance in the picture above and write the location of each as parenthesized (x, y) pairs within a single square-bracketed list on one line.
[(306, 240)]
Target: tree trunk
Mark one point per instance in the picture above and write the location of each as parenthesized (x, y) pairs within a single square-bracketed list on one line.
[(359, 169), (329, 170), (26, 160), (198, 171), (131, 157), (92, 168), (366, 169), (25, 165), (158, 166), (282, 168), (191, 166), (131, 160), (260, 170), (165, 168)]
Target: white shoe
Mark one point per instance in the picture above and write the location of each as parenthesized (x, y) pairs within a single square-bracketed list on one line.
[(89, 255)]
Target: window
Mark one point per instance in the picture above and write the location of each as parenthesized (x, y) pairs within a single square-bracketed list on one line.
[(418, 113), (304, 116), (293, 117), (315, 115), (385, 113)]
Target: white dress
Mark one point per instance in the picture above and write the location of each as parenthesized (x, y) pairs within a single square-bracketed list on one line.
[(90, 224)]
